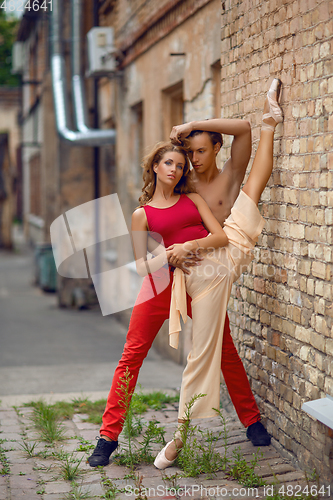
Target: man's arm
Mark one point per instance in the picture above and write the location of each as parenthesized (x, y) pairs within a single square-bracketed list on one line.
[(241, 146)]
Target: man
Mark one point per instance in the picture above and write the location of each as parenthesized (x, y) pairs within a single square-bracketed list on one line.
[(220, 190)]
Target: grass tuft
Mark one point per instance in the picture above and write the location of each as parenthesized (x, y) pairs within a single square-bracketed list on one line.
[(28, 447), (46, 421), (69, 468)]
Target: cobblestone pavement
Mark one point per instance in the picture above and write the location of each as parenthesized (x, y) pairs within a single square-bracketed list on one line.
[(41, 476)]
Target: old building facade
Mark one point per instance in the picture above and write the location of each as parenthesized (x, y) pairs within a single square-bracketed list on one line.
[(185, 60)]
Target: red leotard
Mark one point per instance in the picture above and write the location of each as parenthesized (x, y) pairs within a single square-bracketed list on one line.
[(176, 224)]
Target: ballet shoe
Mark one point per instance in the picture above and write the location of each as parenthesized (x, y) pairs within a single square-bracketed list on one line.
[(275, 111), (161, 461)]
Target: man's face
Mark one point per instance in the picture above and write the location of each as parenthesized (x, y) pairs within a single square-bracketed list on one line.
[(202, 152)]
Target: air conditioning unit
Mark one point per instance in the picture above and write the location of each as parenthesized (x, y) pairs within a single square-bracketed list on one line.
[(17, 58), (101, 52)]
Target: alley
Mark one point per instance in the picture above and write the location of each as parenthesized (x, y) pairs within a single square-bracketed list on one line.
[(45, 349)]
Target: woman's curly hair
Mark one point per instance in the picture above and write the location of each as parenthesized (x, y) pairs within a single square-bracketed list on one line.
[(185, 185)]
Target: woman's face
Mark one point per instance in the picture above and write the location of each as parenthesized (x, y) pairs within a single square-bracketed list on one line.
[(170, 169)]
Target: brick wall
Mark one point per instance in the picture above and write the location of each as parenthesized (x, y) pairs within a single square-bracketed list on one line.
[(281, 311)]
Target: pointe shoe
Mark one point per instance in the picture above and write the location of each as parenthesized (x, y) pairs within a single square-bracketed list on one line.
[(275, 111), (161, 462)]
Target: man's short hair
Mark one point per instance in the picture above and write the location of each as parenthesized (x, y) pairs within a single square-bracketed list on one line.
[(215, 137)]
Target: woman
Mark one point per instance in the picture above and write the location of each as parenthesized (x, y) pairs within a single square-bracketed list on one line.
[(186, 224), (169, 189)]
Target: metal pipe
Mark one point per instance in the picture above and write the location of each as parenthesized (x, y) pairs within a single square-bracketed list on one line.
[(77, 83), (85, 136)]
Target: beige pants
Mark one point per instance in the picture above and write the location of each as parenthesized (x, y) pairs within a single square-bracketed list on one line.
[(209, 286)]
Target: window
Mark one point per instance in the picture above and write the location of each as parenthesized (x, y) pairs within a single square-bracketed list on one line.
[(173, 108)]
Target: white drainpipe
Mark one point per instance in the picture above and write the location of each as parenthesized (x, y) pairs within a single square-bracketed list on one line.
[(84, 136)]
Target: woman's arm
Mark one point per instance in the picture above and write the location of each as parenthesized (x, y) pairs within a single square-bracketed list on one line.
[(216, 239), (139, 235)]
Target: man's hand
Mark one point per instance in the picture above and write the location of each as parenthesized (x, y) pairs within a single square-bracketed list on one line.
[(180, 132), (179, 257)]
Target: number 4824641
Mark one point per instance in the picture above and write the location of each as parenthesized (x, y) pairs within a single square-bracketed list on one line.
[(23, 5), (297, 490)]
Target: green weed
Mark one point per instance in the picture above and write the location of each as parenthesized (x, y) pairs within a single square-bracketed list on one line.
[(69, 468), (153, 434), (140, 489), (110, 489), (76, 493), (133, 426), (46, 421), (140, 403), (134, 452), (125, 395), (155, 399), (243, 472), (210, 460), (171, 483), (85, 445), (28, 447), (225, 459), (196, 457)]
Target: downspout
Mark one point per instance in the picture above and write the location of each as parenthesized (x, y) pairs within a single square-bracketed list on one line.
[(85, 136), (77, 82)]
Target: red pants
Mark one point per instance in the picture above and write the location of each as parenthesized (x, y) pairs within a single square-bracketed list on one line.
[(146, 321)]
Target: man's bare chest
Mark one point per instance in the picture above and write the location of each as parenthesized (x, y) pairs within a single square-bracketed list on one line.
[(217, 200)]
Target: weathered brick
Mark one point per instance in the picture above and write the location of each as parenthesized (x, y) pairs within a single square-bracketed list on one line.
[(329, 386), (304, 352), (320, 270), (329, 347), (321, 326), (317, 341), (302, 334), (282, 357), (304, 266)]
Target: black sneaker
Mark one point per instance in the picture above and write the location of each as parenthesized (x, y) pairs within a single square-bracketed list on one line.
[(258, 435), (102, 452)]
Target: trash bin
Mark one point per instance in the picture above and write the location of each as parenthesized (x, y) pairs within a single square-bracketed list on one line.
[(45, 268)]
